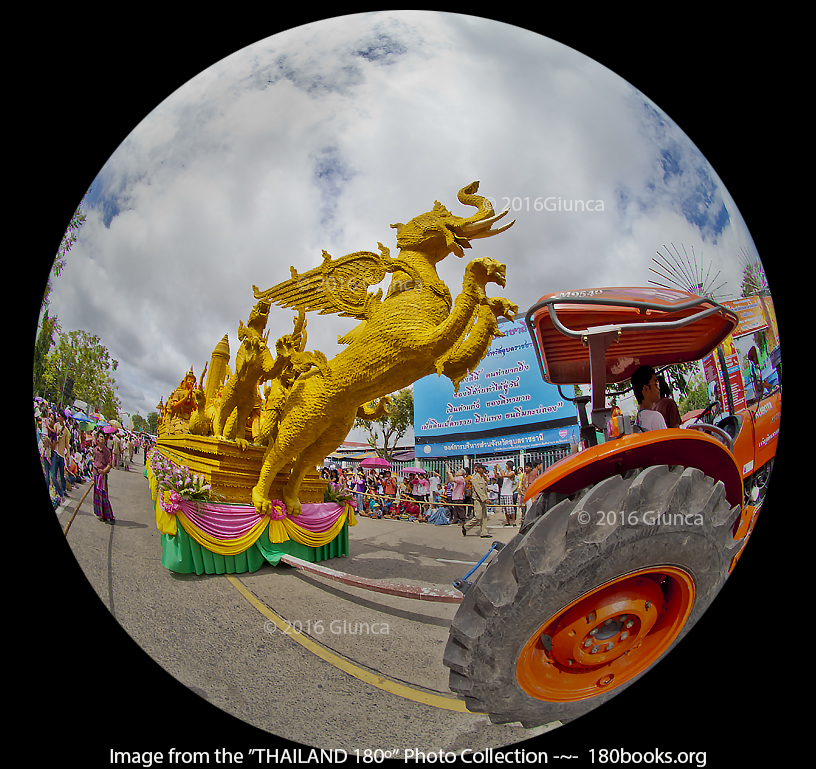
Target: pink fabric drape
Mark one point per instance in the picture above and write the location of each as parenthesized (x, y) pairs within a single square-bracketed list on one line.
[(233, 521)]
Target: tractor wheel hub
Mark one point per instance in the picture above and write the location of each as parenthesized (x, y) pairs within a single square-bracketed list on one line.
[(607, 624)]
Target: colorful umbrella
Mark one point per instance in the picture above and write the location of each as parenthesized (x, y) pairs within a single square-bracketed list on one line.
[(109, 429), (375, 462), (413, 470)]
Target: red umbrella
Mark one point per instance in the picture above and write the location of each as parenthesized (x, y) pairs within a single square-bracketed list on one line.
[(375, 462)]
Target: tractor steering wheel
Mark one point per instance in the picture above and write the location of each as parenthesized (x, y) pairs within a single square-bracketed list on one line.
[(708, 414), (717, 432)]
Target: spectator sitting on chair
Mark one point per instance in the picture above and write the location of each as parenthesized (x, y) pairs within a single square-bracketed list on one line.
[(647, 394)]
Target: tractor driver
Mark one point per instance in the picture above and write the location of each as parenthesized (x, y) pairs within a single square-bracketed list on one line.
[(647, 394)]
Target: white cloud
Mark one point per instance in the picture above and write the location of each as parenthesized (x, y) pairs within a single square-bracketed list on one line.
[(322, 136)]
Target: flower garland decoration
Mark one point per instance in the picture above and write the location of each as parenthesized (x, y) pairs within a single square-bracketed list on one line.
[(336, 493), (176, 483), (277, 511), (277, 515)]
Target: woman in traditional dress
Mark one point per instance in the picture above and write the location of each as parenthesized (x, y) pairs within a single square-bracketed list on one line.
[(102, 462)]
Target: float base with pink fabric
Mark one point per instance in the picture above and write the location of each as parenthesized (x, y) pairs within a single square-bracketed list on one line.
[(218, 538)]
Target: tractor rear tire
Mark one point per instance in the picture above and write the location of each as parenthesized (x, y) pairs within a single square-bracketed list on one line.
[(596, 591)]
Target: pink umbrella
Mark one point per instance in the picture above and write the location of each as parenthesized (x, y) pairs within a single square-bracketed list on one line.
[(413, 470), (375, 462), (109, 429)]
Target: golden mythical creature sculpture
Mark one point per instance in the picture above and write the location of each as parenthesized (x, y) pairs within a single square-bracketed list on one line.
[(414, 331), (200, 420), (290, 349), (254, 365), (252, 362)]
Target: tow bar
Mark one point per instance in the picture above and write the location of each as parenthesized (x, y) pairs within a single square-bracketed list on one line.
[(462, 585)]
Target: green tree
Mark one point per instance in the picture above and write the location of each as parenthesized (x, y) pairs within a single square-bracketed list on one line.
[(49, 325), (392, 426), (87, 361), (45, 340), (110, 405), (68, 240), (139, 423), (696, 395)]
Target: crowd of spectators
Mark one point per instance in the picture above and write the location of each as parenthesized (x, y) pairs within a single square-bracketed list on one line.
[(66, 455), (66, 450), (426, 497)]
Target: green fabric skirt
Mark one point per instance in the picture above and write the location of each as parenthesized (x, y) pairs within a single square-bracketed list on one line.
[(183, 555)]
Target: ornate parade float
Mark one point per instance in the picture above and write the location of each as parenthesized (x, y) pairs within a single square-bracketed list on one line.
[(234, 473)]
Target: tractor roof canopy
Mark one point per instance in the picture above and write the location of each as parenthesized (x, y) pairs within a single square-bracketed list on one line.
[(633, 326)]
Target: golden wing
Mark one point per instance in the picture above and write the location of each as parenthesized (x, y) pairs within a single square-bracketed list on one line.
[(338, 286)]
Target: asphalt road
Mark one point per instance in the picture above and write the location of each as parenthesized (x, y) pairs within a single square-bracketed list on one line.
[(208, 633), (119, 654)]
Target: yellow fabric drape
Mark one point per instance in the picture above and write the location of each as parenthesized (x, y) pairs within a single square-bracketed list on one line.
[(223, 546), (310, 538), (277, 530), (151, 479), (165, 522)]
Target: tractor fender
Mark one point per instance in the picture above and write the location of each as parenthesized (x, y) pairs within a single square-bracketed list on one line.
[(672, 446)]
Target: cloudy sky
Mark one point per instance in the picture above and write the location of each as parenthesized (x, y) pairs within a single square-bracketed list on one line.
[(321, 136)]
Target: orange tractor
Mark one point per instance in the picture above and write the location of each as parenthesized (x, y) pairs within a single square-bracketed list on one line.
[(628, 540)]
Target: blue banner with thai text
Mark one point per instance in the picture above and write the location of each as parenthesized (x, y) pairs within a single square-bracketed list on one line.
[(502, 405)]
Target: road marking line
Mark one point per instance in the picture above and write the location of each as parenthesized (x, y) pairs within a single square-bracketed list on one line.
[(392, 687)]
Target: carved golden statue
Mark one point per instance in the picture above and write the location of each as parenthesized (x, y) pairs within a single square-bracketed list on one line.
[(415, 330), (200, 420), (180, 405), (255, 364), (251, 362)]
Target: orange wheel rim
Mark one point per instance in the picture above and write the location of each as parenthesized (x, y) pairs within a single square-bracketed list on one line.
[(606, 637)]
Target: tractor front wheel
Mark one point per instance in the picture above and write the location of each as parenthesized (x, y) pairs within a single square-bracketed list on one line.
[(596, 591)]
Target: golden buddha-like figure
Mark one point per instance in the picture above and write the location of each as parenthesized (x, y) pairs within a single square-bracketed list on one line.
[(180, 405)]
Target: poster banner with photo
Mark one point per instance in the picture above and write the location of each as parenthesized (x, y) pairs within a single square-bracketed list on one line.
[(734, 369), (747, 356), (503, 405)]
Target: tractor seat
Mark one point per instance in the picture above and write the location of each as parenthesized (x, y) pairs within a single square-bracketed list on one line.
[(731, 424)]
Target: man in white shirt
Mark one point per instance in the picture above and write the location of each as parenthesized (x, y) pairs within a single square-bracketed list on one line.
[(508, 484), (647, 394), (434, 486)]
